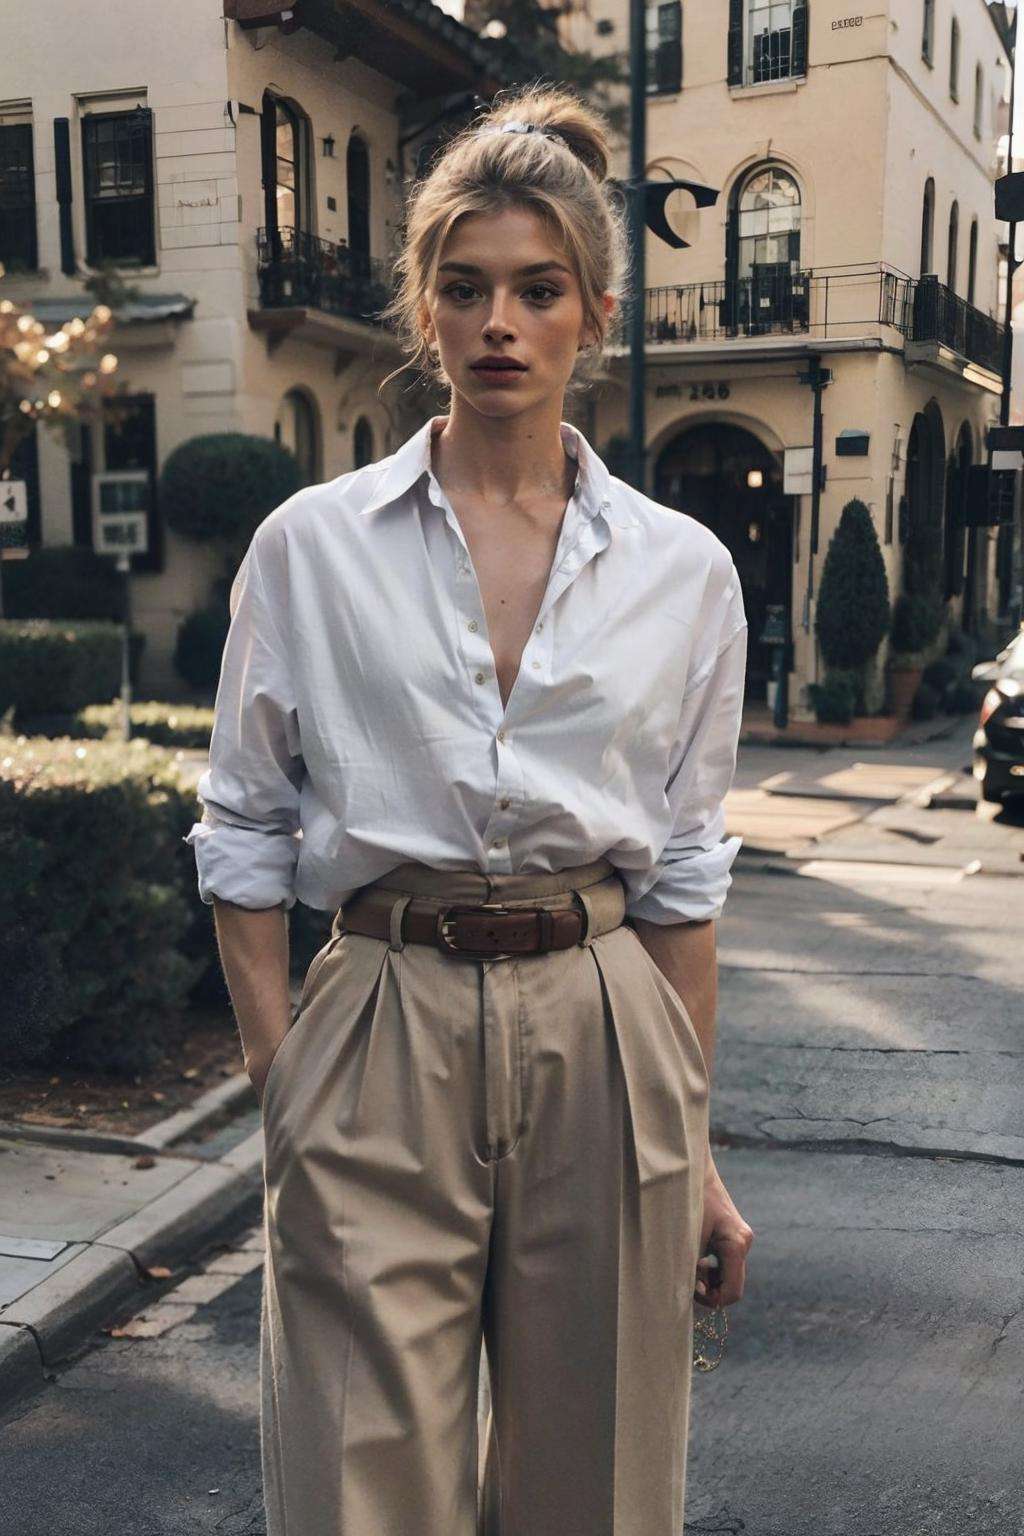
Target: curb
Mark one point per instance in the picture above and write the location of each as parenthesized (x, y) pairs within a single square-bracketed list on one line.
[(59, 1314)]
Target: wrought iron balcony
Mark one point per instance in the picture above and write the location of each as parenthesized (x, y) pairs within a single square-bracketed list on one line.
[(296, 268), (775, 301), (940, 315), (824, 302)]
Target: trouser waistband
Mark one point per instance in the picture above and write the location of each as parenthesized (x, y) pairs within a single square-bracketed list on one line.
[(595, 888)]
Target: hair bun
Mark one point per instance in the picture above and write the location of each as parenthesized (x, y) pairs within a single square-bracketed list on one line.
[(557, 112)]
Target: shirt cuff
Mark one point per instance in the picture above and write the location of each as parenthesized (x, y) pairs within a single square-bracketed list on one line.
[(251, 869), (691, 888)]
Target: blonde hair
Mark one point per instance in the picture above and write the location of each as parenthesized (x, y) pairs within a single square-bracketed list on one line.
[(559, 171)]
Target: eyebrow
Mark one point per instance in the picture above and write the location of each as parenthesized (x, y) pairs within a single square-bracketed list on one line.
[(535, 266)]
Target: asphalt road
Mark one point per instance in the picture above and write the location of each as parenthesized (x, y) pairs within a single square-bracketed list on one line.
[(868, 1092)]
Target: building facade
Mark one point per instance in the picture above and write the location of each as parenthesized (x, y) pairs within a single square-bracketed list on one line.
[(244, 165), (245, 174), (849, 268)]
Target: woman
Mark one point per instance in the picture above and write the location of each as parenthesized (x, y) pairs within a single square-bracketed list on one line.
[(498, 692)]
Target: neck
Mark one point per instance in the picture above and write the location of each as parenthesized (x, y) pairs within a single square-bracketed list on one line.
[(503, 460)]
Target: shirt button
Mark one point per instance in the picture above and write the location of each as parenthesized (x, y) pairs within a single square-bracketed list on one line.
[(505, 802), (540, 626), (480, 677), (536, 666), (501, 735), (472, 625), (499, 842)]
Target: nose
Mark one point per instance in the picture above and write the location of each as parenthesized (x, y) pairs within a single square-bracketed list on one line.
[(498, 323)]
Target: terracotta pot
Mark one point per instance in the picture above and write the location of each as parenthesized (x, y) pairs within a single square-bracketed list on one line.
[(903, 684)]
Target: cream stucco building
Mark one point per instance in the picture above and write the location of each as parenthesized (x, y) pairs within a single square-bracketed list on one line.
[(853, 233), (244, 163), (246, 175)]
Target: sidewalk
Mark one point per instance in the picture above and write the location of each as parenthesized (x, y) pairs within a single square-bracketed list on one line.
[(85, 1217)]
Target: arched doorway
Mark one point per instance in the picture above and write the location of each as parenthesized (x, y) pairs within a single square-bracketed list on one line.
[(296, 429), (923, 553), (711, 471)]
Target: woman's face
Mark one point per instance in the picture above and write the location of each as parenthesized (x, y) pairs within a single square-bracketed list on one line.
[(503, 289)]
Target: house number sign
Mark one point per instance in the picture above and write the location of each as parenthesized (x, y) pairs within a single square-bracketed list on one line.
[(706, 391)]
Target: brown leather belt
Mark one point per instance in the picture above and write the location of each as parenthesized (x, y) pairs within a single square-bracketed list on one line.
[(484, 932)]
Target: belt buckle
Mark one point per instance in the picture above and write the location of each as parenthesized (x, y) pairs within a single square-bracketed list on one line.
[(450, 916)]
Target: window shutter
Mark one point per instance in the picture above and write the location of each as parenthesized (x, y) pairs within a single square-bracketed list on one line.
[(735, 51), (668, 61), (144, 128), (62, 169), (799, 45), (268, 163)]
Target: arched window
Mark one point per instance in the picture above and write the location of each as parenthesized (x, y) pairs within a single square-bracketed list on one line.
[(927, 225), (951, 247), (979, 88), (972, 260), (284, 154), (362, 443), (357, 172), (928, 31), (295, 428), (954, 60), (768, 223)]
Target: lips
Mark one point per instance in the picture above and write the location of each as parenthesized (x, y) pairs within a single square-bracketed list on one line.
[(496, 367)]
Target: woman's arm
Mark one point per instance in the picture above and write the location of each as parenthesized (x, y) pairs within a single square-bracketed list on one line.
[(685, 953), (253, 948)]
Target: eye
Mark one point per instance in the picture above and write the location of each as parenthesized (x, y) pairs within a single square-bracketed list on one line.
[(545, 290), (450, 290)]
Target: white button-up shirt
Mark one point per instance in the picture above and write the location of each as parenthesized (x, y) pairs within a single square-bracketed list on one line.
[(358, 721)]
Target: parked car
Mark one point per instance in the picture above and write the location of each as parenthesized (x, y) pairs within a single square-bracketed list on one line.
[(999, 739)]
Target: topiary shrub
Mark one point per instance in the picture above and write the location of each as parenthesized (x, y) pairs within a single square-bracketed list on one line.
[(853, 603), (916, 620), (222, 485), (834, 700), (200, 645), (63, 581)]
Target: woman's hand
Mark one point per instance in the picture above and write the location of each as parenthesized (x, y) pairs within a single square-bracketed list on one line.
[(724, 1231)]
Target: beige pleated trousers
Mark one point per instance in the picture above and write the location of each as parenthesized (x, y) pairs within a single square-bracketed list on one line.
[(508, 1152)]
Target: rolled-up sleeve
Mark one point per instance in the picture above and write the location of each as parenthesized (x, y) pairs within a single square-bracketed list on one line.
[(691, 877), (247, 843)]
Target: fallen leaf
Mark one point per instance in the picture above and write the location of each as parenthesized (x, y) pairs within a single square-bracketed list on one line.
[(158, 1272), (190, 1072), (158, 1098), (145, 1160)]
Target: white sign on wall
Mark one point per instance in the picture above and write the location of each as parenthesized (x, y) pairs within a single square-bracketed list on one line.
[(798, 471)]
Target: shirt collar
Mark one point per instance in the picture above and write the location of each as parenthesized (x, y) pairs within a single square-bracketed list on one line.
[(401, 469)]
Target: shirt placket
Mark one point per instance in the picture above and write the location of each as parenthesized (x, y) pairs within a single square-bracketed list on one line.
[(581, 539)]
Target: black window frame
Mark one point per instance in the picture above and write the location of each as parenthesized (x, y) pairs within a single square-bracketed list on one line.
[(118, 454), (665, 57), (19, 240), (132, 211)]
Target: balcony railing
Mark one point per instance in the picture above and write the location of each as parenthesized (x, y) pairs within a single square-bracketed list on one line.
[(941, 315), (298, 268), (829, 302)]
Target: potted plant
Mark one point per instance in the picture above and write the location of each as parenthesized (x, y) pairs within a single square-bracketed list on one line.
[(853, 608), (916, 621)]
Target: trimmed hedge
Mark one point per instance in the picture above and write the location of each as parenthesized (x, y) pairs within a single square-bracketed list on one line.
[(102, 943), (916, 621), (63, 581), (164, 724), (834, 700), (56, 666), (200, 645)]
